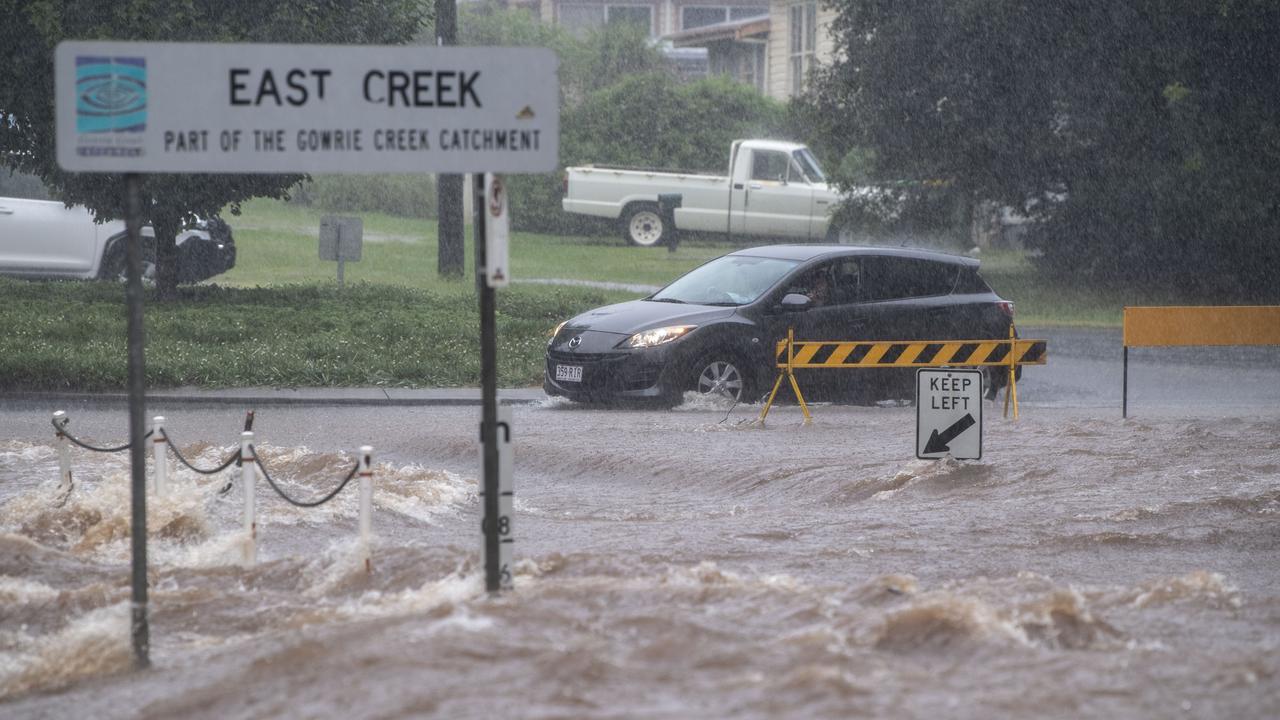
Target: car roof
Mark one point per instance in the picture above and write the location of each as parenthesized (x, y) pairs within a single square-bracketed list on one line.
[(805, 253)]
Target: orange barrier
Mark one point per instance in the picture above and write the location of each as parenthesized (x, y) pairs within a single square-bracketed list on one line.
[(1203, 325)]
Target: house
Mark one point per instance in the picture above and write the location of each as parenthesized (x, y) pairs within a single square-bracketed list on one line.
[(658, 17), (773, 53)]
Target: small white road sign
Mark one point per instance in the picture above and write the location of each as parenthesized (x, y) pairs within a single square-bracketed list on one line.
[(497, 232), (948, 414)]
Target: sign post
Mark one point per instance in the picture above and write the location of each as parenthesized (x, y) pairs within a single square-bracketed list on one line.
[(948, 414), (341, 239), (140, 107), (140, 628)]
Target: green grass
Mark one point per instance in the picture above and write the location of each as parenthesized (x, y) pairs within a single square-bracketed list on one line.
[(277, 243), (71, 335), (1041, 299)]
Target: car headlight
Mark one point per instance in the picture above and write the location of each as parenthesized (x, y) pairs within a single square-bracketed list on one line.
[(556, 332), (657, 336)]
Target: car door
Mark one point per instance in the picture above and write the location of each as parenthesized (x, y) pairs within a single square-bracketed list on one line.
[(46, 237), (778, 200), (839, 316)]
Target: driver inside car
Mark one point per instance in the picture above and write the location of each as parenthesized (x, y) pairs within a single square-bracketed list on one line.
[(819, 290)]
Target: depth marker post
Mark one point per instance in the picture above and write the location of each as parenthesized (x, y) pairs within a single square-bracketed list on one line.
[(489, 398)]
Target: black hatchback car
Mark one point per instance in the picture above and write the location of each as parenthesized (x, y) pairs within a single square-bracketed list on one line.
[(714, 330)]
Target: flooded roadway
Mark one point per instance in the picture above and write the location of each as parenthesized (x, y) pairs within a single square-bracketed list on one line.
[(671, 564)]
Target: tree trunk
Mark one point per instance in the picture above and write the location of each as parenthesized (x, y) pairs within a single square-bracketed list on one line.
[(166, 257), (450, 230)]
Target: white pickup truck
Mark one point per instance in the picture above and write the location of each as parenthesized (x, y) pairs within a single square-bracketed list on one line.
[(774, 189)]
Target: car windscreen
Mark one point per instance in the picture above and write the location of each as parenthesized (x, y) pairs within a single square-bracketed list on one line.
[(729, 280), (810, 165)]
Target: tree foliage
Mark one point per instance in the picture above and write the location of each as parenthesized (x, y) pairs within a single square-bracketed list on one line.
[(596, 60), (1144, 136), (32, 28)]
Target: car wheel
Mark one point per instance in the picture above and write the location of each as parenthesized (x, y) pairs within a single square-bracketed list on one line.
[(642, 225), (993, 380), (723, 375), (112, 262), (113, 265)]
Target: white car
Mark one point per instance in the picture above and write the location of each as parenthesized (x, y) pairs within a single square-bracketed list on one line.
[(45, 238)]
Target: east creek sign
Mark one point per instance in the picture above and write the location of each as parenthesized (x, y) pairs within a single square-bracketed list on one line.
[(221, 107)]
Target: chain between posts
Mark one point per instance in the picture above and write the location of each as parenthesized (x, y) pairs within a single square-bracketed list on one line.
[(63, 432), (235, 458), (302, 503)]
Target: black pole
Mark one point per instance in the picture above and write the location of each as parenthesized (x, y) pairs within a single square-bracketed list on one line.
[(1124, 393), (137, 419), (450, 234), (489, 396)]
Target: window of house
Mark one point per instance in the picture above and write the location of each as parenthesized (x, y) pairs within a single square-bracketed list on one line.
[(750, 66), (803, 25), (578, 18), (641, 15), (694, 16)]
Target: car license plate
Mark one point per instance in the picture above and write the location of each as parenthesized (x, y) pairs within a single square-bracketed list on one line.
[(569, 373)]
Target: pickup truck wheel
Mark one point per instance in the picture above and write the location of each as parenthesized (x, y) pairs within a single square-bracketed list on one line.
[(642, 225)]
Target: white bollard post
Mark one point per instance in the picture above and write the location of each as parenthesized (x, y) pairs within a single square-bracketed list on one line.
[(366, 505), (158, 445), (64, 454), (249, 480)]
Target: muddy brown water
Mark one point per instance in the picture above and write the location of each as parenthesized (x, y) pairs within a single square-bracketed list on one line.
[(680, 564)]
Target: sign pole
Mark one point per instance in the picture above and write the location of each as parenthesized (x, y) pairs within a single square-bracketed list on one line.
[(137, 410), (489, 396), (1124, 389)]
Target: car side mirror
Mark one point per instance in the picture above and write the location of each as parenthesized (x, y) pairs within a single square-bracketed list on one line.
[(794, 302)]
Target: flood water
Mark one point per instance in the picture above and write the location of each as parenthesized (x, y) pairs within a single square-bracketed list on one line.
[(672, 564)]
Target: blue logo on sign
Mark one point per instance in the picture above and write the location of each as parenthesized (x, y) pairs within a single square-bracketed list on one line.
[(111, 94)]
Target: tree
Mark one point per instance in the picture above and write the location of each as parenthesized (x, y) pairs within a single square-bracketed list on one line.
[(597, 60), (32, 28), (1142, 134)]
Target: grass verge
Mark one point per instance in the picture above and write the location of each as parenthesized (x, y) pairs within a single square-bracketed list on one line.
[(71, 335)]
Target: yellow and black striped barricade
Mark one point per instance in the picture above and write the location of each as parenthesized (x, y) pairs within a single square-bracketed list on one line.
[(1213, 325), (795, 355)]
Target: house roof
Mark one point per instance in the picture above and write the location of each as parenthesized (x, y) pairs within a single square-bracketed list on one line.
[(733, 30)]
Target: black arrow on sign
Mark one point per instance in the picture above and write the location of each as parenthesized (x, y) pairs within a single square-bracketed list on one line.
[(940, 442)]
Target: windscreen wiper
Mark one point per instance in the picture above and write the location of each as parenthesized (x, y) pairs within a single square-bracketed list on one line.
[(669, 300)]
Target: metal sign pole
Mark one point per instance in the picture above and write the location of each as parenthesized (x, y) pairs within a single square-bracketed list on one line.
[(137, 410), (489, 396)]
